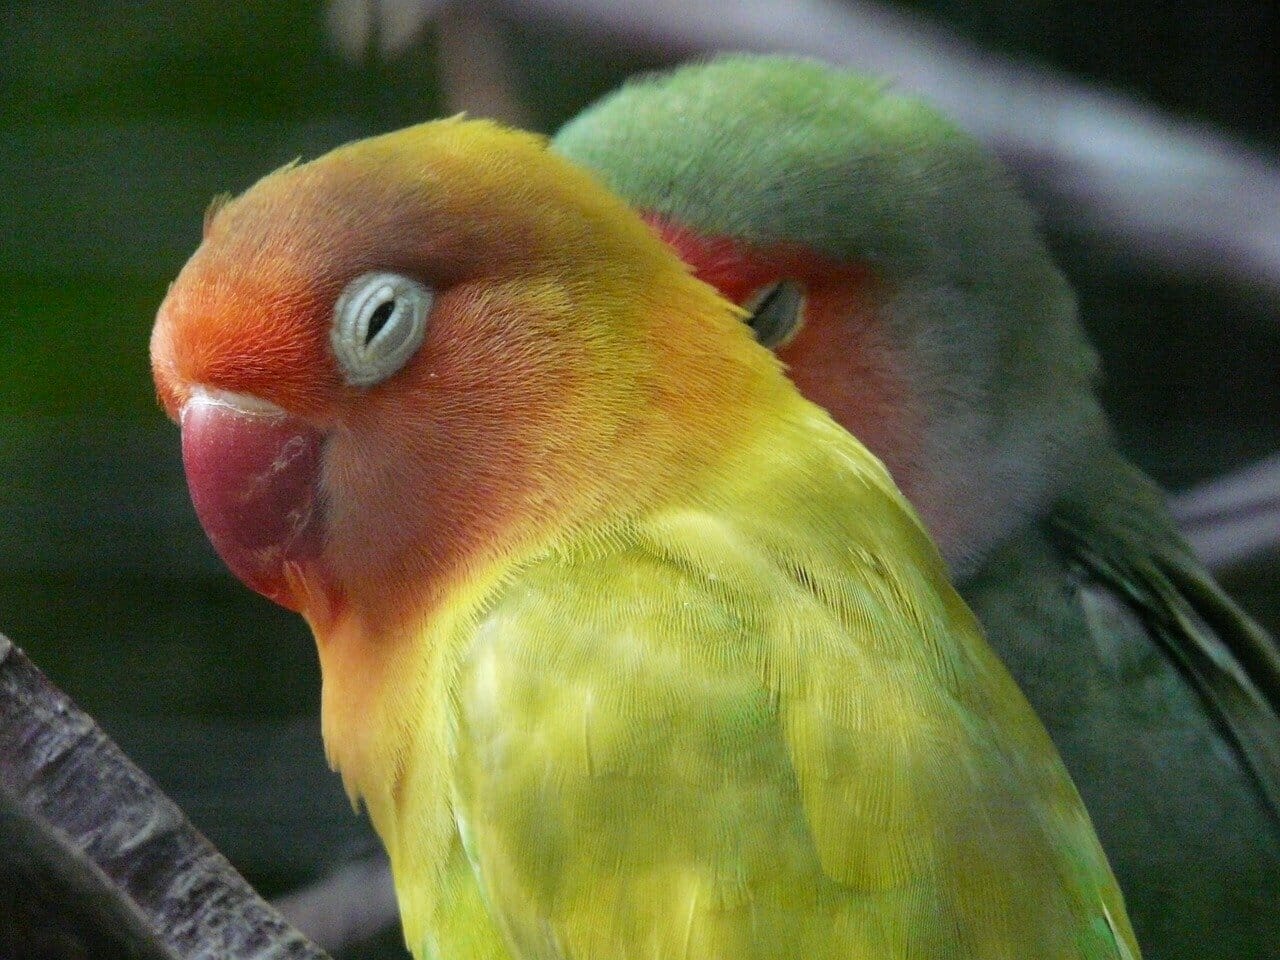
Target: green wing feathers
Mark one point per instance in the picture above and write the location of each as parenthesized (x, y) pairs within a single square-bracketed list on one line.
[(1122, 533)]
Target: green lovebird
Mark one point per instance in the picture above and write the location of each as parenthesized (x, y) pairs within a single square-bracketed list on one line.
[(630, 651), (888, 259)]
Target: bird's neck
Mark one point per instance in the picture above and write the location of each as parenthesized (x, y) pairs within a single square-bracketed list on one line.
[(388, 648)]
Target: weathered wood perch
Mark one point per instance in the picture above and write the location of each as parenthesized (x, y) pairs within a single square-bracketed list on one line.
[(95, 861)]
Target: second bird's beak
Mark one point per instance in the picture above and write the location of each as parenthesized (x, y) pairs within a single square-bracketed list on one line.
[(253, 471)]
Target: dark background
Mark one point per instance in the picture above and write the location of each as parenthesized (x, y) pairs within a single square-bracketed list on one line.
[(121, 121)]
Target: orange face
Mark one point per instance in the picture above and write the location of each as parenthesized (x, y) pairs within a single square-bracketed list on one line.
[(313, 488)]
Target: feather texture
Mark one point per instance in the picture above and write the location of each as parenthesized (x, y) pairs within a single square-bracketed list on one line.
[(754, 722)]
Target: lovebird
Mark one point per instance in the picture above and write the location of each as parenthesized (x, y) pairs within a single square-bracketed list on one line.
[(628, 650), (889, 260)]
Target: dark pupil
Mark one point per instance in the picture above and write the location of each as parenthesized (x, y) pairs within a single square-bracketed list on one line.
[(378, 319), (768, 307), (778, 314)]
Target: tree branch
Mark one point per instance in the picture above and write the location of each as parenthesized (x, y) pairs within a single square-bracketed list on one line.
[(1233, 517), (95, 860), (475, 69), (351, 905)]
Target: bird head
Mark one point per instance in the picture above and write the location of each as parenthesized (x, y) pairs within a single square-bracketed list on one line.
[(431, 349), (885, 256)]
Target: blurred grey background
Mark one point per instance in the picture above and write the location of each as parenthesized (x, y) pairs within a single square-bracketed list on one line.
[(1155, 169)]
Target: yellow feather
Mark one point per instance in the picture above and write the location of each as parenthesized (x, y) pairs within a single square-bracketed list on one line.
[(756, 722)]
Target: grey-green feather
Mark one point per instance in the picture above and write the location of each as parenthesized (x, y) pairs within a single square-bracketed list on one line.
[(1160, 693)]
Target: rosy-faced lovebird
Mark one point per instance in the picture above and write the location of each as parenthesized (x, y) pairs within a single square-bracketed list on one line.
[(888, 259), (628, 649)]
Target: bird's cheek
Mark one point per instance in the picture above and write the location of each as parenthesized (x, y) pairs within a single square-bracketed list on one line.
[(253, 473)]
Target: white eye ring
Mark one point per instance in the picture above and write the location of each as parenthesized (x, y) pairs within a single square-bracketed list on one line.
[(378, 323)]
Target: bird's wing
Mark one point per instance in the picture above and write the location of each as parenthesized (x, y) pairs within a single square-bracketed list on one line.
[(1122, 534), (920, 764), (707, 743)]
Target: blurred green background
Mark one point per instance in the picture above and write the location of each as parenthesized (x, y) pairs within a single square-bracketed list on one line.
[(121, 121)]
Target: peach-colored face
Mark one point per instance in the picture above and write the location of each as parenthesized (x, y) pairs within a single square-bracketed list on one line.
[(841, 358), (240, 363), (310, 488)]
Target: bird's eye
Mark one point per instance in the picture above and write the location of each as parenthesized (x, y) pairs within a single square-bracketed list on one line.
[(378, 323), (777, 312)]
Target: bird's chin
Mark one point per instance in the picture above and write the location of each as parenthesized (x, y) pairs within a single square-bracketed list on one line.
[(253, 472)]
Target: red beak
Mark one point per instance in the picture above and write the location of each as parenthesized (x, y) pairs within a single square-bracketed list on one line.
[(252, 470)]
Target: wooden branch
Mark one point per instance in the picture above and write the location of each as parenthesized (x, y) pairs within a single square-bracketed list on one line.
[(476, 75), (96, 861), (364, 28), (1231, 518), (475, 68), (353, 904)]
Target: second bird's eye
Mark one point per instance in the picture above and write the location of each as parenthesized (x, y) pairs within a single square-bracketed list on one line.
[(378, 323), (777, 312)]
